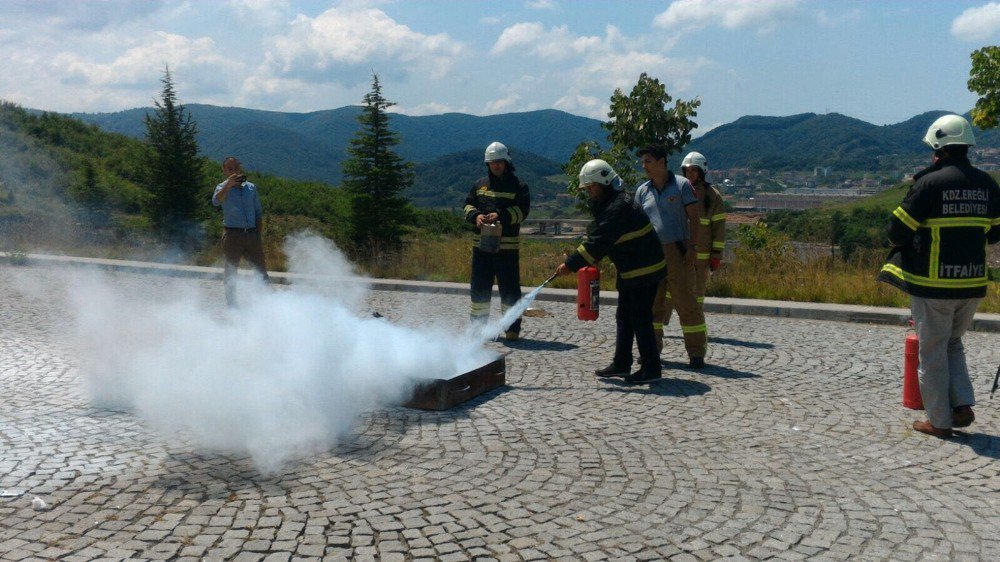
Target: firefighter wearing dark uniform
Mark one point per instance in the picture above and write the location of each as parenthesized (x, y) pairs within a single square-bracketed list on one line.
[(939, 235), (623, 232), (499, 199)]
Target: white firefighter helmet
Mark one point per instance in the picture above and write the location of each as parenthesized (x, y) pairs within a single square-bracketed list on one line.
[(599, 171), (949, 130), (695, 159), (497, 151)]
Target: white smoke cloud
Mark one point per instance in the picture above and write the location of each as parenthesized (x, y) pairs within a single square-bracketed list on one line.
[(281, 377)]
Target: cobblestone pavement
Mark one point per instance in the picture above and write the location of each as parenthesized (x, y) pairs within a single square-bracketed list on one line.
[(792, 445)]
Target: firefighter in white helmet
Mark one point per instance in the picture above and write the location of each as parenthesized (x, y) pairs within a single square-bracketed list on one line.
[(939, 235), (711, 226), (622, 232), (672, 207), (497, 205)]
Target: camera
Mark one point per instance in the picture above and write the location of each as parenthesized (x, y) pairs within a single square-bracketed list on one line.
[(241, 178)]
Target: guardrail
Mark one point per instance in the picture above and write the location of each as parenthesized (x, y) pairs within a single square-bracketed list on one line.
[(555, 226)]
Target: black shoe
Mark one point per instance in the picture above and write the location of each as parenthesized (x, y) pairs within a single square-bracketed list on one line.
[(962, 416), (697, 363), (612, 370), (642, 377)]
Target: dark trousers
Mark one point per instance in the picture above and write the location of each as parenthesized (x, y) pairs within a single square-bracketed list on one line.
[(505, 267), (634, 320), (236, 245)]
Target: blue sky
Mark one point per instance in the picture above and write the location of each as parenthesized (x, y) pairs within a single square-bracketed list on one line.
[(882, 62)]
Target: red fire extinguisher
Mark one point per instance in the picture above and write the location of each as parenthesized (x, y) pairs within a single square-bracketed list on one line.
[(911, 382), (588, 293)]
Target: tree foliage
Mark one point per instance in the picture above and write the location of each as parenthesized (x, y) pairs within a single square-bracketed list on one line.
[(643, 117), (173, 177), (375, 176), (984, 79)]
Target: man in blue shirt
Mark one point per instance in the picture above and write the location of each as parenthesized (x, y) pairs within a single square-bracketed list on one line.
[(671, 205), (242, 216)]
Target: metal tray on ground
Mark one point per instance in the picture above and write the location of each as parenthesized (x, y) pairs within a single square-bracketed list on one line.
[(441, 394)]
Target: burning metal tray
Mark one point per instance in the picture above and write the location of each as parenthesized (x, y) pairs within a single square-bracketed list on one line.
[(441, 394)]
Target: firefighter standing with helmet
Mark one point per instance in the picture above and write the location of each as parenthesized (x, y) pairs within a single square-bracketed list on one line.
[(711, 226), (497, 205), (671, 206), (623, 232), (939, 235)]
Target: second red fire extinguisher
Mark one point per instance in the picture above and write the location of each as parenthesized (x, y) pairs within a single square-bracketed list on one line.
[(588, 293)]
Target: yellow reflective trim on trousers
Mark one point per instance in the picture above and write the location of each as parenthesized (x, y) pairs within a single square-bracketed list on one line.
[(704, 256), (935, 256), (634, 234), (643, 270), (959, 221), (694, 329), (719, 217), (495, 194), (718, 245), (705, 221), (905, 218), (666, 295), (995, 222), (939, 283), (701, 300), (658, 326), (586, 255)]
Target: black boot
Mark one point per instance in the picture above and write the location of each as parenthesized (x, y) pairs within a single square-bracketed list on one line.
[(612, 370)]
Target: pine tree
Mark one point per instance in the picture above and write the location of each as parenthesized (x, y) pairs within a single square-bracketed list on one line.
[(375, 176), (174, 176)]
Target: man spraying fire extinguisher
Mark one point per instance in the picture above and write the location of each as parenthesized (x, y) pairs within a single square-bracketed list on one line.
[(623, 232)]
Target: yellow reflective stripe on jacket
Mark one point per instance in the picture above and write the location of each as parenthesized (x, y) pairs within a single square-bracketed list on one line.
[(634, 234), (938, 282), (719, 217), (503, 239), (905, 218), (643, 270), (705, 221), (516, 214), (470, 209), (718, 245), (495, 194), (704, 256), (935, 255), (958, 222), (586, 255)]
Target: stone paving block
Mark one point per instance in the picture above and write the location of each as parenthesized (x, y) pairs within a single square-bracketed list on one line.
[(799, 450)]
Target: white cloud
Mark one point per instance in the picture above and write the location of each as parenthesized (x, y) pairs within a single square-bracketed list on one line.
[(542, 4), (977, 24), (84, 16), (144, 63), (764, 15), (429, 108), (320, 49), (579, 104), (555, 44)]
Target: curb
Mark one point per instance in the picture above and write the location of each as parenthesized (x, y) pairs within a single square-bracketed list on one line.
[(983, 322)]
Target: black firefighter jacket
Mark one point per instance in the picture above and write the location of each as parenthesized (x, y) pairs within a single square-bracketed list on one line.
[(622, 232), (508, 197), (940, 231)]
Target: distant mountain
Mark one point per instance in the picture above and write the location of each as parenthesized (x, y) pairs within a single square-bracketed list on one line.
[(801, 142), (311, 146), (446, 181)]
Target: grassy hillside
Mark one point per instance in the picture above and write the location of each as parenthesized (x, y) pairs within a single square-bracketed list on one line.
[(445, 182), (311, 146)]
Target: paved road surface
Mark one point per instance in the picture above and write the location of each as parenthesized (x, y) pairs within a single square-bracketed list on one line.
[(792, 445)]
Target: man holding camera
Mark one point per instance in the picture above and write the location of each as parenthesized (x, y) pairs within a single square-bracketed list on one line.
[(242, 216)]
